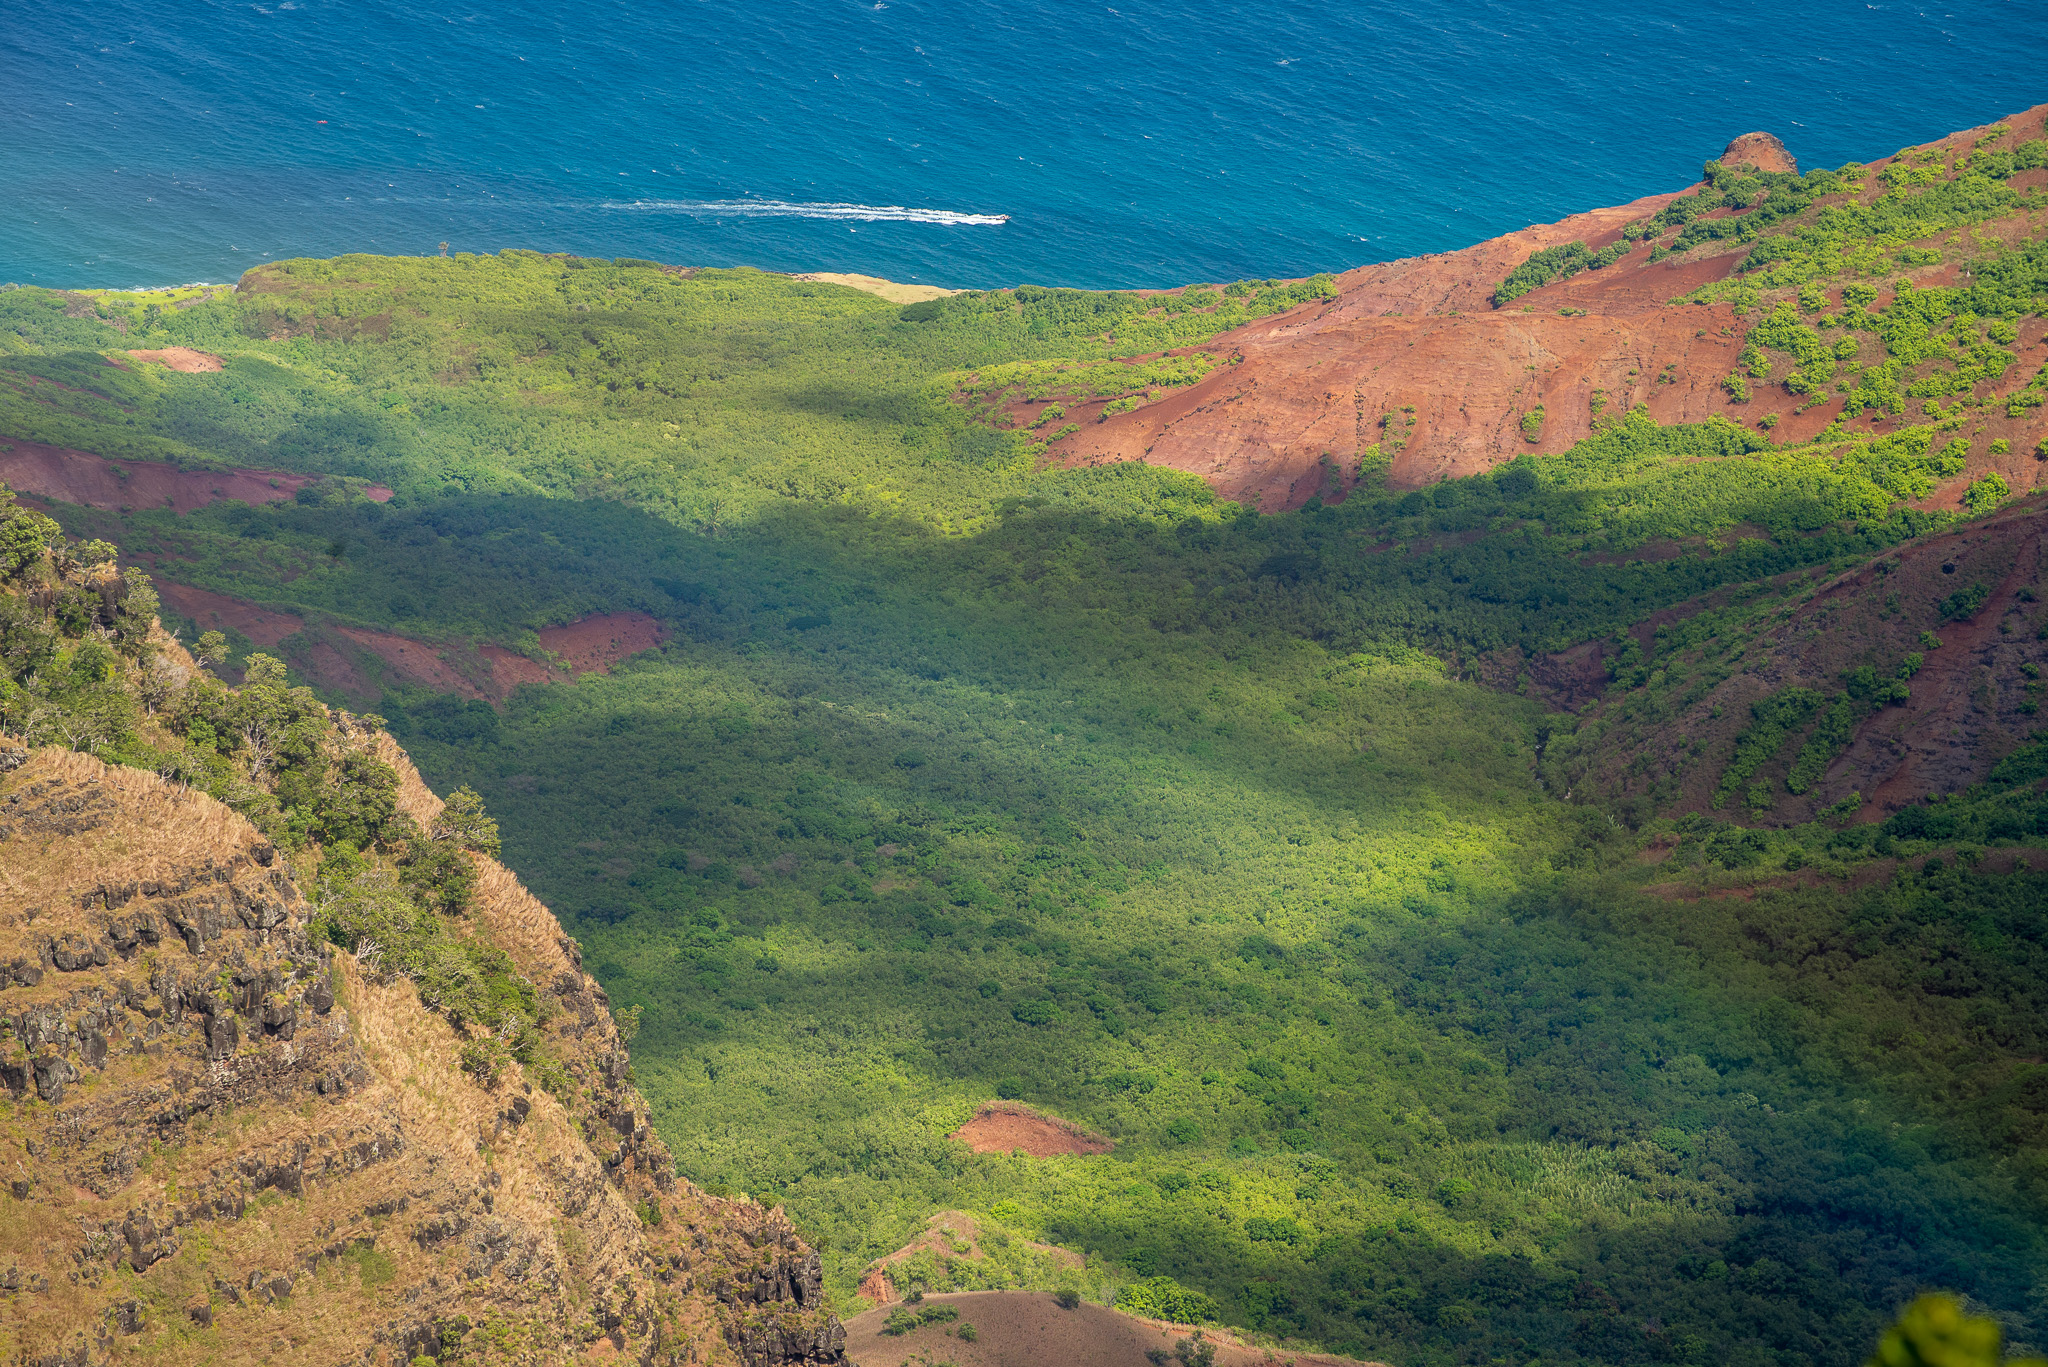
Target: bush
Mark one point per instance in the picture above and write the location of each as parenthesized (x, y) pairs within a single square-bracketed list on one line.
[(485, 1060), (1163, 1298), (903, 1318), (1984, 495), (1038, 1011), (1067, 1298)]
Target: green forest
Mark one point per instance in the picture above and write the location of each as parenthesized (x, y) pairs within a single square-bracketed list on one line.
[(961, 779)]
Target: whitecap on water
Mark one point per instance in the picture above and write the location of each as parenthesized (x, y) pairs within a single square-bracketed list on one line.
[(776, 208)]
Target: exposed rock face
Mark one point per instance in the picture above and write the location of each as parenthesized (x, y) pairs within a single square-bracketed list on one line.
[(1412, 358), (1763, 151), (227, 1143)]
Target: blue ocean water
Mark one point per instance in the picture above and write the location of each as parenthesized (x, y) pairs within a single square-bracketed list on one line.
[(971, 143)]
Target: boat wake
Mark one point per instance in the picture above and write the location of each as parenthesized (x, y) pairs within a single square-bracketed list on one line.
[(776, 208)]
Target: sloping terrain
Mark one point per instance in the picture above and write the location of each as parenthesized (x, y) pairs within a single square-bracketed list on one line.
[(1413, 370), (1906, 677), (49, 472), (1447, 898), (1029, 1328), (232, 1141)]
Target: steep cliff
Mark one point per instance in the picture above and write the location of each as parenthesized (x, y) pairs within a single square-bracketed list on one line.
[(229, 1139)]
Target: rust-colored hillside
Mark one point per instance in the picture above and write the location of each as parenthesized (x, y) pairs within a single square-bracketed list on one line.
[(1413, 358)]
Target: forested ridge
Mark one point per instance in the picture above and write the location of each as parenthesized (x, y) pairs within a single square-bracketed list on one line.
[(1258, 844)]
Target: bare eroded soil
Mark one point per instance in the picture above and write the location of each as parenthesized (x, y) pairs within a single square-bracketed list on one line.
[(1012, 1127), (1029, 1329)]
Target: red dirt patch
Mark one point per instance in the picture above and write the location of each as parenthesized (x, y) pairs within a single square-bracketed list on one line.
[(180, 358), (1029, 1329), (415, 661), (1010, 1126), (218, 612), (590, 645), (1968, 704), (53, 472)]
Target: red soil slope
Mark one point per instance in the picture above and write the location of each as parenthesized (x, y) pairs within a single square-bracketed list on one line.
[(589, 645), (182, 359), (1029, 1329), (345, 658), (1969, 701), (53, 472), (1290, 418)]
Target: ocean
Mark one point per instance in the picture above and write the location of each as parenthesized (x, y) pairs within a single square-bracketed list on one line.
[(967, 144)]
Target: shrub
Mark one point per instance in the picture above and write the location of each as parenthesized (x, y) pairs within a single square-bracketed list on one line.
[(1163, 1298), (1984, 495), (1067, 1298), (1037, 1011), (1532, 424), (1934, 1332), (1964, 604), (485, 1060)]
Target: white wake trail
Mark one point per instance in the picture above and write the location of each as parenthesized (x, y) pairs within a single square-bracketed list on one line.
[(776, 208)]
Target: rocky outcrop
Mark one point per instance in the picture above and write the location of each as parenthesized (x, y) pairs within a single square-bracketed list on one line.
[(1763, 151), (229, 1142)]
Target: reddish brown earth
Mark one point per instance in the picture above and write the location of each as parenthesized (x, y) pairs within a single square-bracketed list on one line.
[(1763, 151), (180, 358), (416, 662), (344, 658), (1309, 388), (1967, 705), (218, 612), (1029, 1329), (589, 645), (52, 472), (1012, 1127)]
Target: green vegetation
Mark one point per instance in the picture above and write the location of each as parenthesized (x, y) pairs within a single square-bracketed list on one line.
[(1555, 263), (957, 778), (78, 668), (1934, 1332), (1163, 1298), (1774, 719), (905, 1318)]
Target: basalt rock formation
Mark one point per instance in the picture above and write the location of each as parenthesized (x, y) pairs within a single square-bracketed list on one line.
[(1412, 360), (224, 1142)]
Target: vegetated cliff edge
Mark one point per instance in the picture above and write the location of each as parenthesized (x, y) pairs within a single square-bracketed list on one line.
[(1415, 369), (226, 1142)]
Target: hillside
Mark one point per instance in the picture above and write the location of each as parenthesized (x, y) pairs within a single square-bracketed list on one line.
[(1583, 909), (1445, 366), (231, 1138)]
